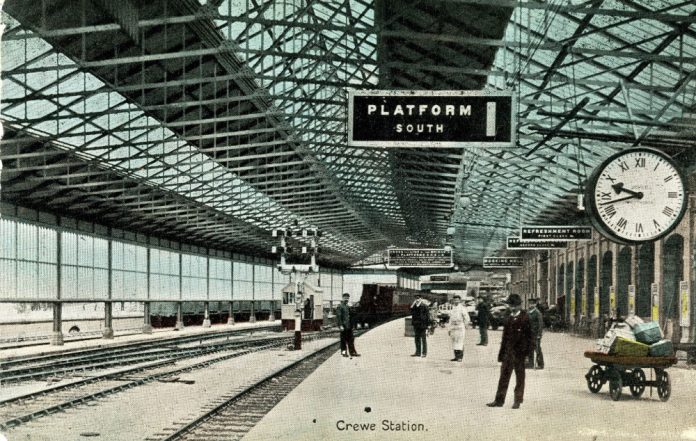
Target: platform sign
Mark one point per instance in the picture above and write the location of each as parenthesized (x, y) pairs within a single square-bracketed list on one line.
[(583, 302), (419, 258), (514, 243), (684, 304), (426, 118), (502, 262), (612, 302), (655, 301), (439, 278), (572, 305), (631, 299), (556, 233), (595, 313)]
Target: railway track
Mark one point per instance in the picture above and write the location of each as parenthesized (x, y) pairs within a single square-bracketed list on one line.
[(237, 413), (19, 410), (44, 366)]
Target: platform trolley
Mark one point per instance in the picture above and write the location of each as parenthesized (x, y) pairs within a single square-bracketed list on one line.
[(626, 371)]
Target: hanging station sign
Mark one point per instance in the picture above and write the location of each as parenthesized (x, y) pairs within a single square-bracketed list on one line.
[(425, 118), (514, 243), (419, 258), (502, 262), (556, 232)]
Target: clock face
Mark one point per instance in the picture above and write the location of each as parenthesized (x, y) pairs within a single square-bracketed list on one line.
[(637, 195)]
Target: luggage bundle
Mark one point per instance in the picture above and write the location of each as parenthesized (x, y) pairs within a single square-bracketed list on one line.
[(635, 338)]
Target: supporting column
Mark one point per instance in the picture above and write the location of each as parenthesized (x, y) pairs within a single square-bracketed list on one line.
[(252, 316), (206, 314), (108, 327), (179, 316), (230, 318), (614, 278), (56, 338), (656, 301), (57, 335), (147, 324), (271, 316)]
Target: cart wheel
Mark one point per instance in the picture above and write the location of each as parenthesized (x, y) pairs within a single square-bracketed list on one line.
[(615, 385), (595, 379), (637, 382), (664, 389)]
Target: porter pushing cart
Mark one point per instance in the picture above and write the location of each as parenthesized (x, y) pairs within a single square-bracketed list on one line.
[(621, 371)]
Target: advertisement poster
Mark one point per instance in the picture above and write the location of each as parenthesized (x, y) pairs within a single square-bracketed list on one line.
[(344, 220)]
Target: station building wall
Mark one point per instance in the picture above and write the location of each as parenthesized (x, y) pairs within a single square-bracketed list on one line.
[(660, 273)]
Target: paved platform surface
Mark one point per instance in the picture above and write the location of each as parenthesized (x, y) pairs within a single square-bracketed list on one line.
[(158, 333), (434, 399)]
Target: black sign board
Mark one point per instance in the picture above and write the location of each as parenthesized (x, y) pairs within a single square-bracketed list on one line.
[(458, 118), (514, 243), (439, 278), (502, 262), (556, 232), (419, 258)]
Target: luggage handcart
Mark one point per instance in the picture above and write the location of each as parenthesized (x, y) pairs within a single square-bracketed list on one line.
[(627, 371)]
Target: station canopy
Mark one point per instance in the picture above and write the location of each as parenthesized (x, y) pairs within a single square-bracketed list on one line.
[(214, 122)]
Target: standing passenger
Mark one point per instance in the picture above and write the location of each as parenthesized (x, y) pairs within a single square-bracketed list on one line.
[(517, 343), (345, 325), (459, 318), (484, 310), (420, 318), (536, 321)]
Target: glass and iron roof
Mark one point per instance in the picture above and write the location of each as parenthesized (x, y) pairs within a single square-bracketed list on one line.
[(215, 122)]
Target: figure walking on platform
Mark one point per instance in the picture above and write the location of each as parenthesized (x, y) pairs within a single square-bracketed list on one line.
[(516, 345), (459, 319), (345, 325), (536, 321), (482, 316), (420, 319)]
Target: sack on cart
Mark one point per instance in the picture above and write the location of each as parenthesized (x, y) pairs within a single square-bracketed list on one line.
[(633, 320), (648, 333), (662, 348), (628, 348), (617, 330)]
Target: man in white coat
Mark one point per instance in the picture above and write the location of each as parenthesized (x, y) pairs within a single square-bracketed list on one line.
[(458, 320)]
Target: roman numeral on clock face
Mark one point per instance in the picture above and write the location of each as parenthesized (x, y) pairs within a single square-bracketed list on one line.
[(609, 211), (623, 166), (668, 211), (622, 223), (639, 228), (672, 194), (640, 162), (607, 195)]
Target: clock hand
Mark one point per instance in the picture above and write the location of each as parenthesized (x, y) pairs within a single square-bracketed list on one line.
[(618, 188), (622, 199)]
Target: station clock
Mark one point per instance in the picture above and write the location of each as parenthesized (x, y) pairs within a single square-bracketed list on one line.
[(636, 195)]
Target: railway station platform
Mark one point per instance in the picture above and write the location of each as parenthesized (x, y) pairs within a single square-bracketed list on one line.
[(388, 395), (157, 334)]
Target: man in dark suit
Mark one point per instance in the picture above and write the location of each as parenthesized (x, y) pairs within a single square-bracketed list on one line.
[(517, 343), (420, 319), (346, 327), (536, 321), (483, 311)]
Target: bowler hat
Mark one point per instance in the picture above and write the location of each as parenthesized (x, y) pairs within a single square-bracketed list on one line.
[(514, 300)]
